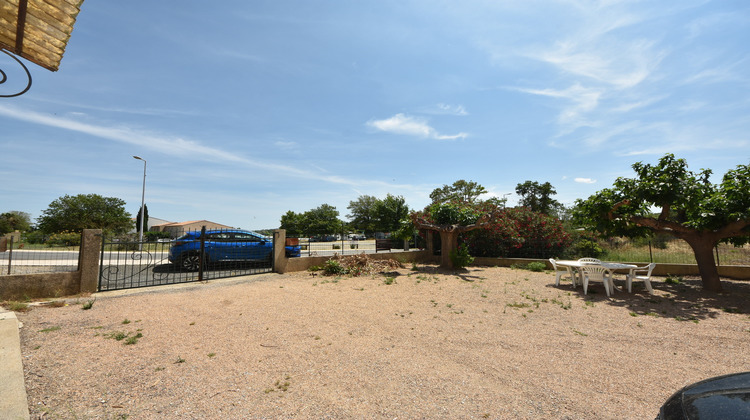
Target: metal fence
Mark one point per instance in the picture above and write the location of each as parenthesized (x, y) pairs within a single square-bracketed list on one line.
[(670, 250), (345, 244), (22, 257), (198, 256), (659, 250)]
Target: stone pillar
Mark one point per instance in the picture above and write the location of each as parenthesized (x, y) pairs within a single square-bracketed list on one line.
[(429, 243), (89, 258), (279, 251)]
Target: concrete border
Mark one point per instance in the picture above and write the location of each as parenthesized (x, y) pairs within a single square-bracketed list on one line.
[(13, 401)]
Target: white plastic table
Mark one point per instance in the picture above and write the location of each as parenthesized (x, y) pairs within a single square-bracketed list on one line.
[(610, 266)]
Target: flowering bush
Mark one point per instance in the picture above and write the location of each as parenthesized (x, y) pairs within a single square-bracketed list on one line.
[(519, 233)]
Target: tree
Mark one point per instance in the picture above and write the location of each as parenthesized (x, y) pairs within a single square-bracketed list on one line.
[(85, 211), (14, 220), (451, 220), (318, 221), (145, 219), (323, 220), (460, 191), (363, 214), (538, 197), (688, 207), (390, 212), (294, 223)]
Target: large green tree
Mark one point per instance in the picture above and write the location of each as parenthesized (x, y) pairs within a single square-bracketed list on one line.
[(390, 212), (85, 211), (463, 191), (371, 214), (538, 197), (14, 220), (456, 209), (323, 219), (318, 221), (668, 198), (294, 223), (363, 214)]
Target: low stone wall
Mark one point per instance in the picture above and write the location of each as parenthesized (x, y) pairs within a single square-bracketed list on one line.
[(39, 286), (51, 285), (303, 263)]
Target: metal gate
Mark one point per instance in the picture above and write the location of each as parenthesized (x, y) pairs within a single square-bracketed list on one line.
[(196, 256)]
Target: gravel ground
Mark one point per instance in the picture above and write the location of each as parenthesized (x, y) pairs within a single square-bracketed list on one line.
[(480, 343)]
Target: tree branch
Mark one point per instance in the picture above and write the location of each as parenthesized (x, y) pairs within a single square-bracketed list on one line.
[(734, 229), (662, 225), (484, 220), (611, 214)]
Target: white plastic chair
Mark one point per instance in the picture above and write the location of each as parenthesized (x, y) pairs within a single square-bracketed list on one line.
[(560, 271), (646, 278), (596, 273), (590, 260)]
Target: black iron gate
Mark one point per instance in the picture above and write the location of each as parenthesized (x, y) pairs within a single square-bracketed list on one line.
[(196, 256)]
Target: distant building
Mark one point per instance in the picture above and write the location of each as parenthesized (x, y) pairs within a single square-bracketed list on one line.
[(178, 229), (150, 224)]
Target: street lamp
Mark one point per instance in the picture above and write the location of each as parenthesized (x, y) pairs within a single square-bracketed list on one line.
[(143, 203), (505, 200)]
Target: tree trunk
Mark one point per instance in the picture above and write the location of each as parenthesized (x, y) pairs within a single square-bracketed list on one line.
[(448, 244), (704, 256)]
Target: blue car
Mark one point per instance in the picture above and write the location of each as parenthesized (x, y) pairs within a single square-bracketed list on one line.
[(223, 245)]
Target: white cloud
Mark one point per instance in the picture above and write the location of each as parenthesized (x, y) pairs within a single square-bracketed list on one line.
[(622, 66), (452, 109), (584, 100), (168, 145), (411, 126), (286, 145), (585, 180)]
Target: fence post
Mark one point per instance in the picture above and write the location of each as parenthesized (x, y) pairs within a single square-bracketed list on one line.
[(279, 251), (89, 257), (202, 253), (10, 254), (716, 248)]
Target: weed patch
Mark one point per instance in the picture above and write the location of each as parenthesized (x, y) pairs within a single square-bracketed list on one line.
[(16, 306), (50, 329)]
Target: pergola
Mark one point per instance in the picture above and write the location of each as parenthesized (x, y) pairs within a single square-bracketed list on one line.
[(37, 30)]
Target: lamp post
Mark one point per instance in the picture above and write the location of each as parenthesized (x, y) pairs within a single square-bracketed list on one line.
[(505, 200), (143, 203)]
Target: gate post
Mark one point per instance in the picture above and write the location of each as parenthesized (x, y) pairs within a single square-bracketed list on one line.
[(279, 251), (429, 246), (88, 259)]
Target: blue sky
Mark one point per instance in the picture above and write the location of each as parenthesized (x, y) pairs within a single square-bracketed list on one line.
[(245, 110)]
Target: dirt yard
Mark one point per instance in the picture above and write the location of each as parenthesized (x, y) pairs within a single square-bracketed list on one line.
[(494, 343)]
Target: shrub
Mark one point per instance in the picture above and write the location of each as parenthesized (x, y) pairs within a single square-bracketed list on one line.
[(333, 267), (519, 233), (64, 239), (586, 245), (536, 266), (461, 258), (36, 237), (154, 236)]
